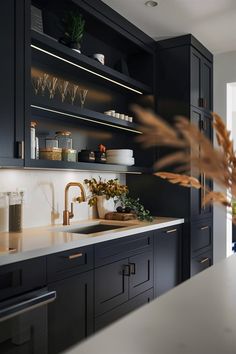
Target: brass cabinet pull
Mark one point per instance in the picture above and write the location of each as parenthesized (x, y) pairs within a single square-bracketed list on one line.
[(21, 150), (204, 227), (204, 260), (204, 190), (76, 255), (126, 270), (132, 268), (170, 231)]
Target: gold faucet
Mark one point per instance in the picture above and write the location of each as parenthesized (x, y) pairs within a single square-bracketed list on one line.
[(67, 215)]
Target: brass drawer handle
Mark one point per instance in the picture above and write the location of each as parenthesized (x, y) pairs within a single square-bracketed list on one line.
[(204, 260), (76, 255), (204, 227), (170, 231)]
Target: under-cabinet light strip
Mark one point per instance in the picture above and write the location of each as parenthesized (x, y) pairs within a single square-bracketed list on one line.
[(86, 119), (85, 69), (84, 170)]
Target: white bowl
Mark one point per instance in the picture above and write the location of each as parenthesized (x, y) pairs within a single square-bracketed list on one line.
[(120, 160), (126, 153)]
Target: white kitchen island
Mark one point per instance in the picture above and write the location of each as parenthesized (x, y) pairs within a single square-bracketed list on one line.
[(197, 317)]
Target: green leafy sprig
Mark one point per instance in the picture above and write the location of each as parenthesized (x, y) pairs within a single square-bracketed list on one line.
[(136, 207)]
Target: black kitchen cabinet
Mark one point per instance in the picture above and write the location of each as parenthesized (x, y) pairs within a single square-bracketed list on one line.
[(184, 74), (141, 273), (111, 286), (201, 236), (12, 83), (201, 262), (122, 310), (70, 274), (201, 81), (120, 281), (70, 317), (203, 121), (167, 259)]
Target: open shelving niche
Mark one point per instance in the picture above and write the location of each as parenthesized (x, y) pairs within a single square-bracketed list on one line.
[(49, 54)]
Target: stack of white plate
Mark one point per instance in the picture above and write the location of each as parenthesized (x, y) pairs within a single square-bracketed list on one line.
[(120, 157)]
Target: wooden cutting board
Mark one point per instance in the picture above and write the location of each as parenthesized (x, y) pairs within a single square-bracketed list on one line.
[(120, 216)]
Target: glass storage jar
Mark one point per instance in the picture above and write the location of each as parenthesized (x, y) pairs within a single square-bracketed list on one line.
[(54, 154), (3, 212), (69, 155), (64, 139), (15, 211)]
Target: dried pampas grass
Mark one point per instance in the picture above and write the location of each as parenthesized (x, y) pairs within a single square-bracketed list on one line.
[(195, 155)]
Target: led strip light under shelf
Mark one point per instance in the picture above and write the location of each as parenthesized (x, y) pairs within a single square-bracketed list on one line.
[(85, 69), (84, 118)]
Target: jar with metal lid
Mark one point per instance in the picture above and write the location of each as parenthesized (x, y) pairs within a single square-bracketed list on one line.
[(15, 211), (64, 139)]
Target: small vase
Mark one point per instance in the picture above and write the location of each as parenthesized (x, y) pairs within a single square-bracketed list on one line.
[(104, 206)]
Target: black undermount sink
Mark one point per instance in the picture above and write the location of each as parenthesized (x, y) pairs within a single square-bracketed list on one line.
[(96, 228)]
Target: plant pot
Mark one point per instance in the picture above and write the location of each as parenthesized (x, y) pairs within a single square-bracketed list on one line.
[(75, 46), (104, 206)]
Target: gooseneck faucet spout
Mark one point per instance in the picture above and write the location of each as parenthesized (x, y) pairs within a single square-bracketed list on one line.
[(68, 214)]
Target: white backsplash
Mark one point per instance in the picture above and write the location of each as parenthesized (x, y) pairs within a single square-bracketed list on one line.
[(44, 194)]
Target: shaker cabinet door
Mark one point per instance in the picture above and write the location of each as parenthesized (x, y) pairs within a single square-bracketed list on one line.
[(70, 316), (201, 81), (111, 286), (141, 273), (12, 82), (167, 259)]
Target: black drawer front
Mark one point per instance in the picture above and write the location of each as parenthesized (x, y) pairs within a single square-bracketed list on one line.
[(115, 250), (201, 236), (201, 262), (64, 264), (124, 309), (20, 277)]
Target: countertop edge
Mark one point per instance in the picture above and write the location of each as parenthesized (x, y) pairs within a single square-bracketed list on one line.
[(10, 258)]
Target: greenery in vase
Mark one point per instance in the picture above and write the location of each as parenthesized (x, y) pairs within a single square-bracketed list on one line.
[(74, 26), (111, 189), (134, 205)]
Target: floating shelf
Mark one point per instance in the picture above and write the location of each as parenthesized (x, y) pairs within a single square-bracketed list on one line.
[(85, 166), (46, 45), (43, 106)]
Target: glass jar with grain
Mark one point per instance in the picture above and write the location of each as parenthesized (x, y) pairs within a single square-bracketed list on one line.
[(15, 211)]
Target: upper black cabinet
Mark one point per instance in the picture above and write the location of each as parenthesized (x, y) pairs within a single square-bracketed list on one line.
[(12, 83), (184, 76), (201, 81)]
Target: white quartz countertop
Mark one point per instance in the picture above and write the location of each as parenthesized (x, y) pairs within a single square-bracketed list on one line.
[(197, 317), (42, 241)]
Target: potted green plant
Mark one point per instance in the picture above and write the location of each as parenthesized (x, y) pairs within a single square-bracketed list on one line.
[(74, 30), (104, 194)]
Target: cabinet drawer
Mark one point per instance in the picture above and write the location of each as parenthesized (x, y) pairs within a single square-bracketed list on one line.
[(20, 277), (67, 263), (114, 250), (201, 262), (122, 310), (201, 236)]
